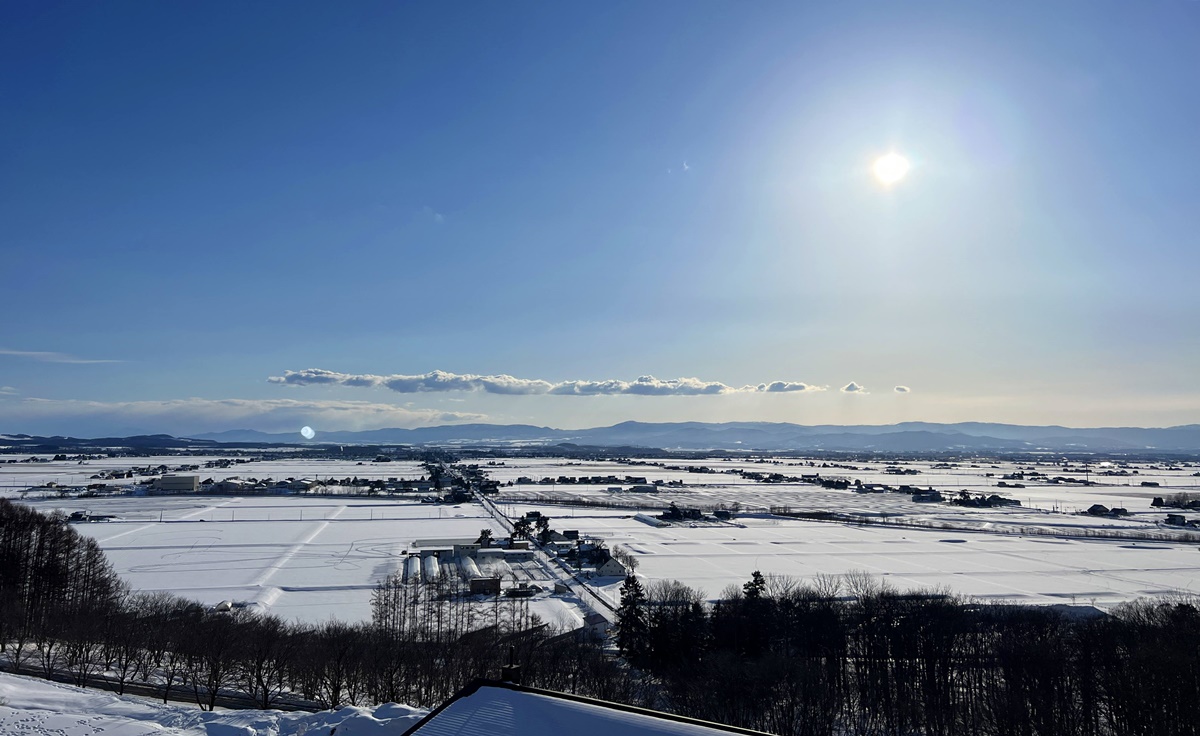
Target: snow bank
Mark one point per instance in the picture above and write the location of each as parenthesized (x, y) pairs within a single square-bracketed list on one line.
[(31, 707)]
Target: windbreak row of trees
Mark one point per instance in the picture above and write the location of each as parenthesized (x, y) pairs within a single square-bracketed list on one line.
[(836, 657), (64, 611), (851, 656)]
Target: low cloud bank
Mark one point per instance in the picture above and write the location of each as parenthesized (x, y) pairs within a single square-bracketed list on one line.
[(437, 381), (194, 416), (49, 357)]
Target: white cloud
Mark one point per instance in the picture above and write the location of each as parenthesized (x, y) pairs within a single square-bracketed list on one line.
[(49, 357), (193, 416), (8, 391), (854, 388), (436, 381), (903, 389), (786, 386)]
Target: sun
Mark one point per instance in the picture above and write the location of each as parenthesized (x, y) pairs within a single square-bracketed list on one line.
[(890, 169)]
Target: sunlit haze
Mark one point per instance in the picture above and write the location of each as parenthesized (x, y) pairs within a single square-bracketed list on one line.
[(891, 168), (274, 216)]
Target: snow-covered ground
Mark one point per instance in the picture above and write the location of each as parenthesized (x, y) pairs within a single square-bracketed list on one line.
[(988, 566), (304, 558), (722, 486), (313, 557), (16, 477), (33, 707)]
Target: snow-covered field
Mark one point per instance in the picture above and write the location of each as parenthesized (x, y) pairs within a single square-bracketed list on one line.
[(304, 558), (33, 707), (724, 487), (967, 554), (307, 559), (989, 566), (313, 557)]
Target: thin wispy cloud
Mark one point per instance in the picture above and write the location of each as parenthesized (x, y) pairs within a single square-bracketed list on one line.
[(436, 216), (8, 391), (440, 381), (202, 415), (903, 389), (854, 388), (50, 357)]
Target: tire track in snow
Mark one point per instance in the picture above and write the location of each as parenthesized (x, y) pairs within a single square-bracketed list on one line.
[(283, 559), (156, 523)]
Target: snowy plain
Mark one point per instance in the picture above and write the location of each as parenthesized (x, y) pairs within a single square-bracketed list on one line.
[(313, 557), (34, 707)]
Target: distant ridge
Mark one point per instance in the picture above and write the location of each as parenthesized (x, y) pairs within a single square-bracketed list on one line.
[(906, 437), (773, 436)]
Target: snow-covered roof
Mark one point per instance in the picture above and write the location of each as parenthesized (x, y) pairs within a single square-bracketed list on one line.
[(503, 709)]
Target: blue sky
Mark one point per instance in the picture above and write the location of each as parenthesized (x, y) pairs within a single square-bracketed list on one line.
[(207, 195)]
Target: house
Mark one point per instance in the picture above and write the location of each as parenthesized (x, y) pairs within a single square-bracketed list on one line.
[(930, 496), (486, 707), (611, 567), (596, 624), (554, 542)]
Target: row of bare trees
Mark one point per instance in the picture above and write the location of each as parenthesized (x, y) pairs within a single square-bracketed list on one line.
[(851, 656), (64, 611), (836, 656)]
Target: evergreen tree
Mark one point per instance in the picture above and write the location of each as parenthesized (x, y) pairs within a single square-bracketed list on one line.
[(755, 587), (522, 528), (633, 631)]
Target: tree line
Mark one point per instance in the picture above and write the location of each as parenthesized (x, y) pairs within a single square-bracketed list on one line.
[(834, 656), (64, 611), (850, 655)]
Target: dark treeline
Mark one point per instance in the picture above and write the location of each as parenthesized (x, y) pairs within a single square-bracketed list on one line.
[(838, 657), (64, 611), (850, 656)]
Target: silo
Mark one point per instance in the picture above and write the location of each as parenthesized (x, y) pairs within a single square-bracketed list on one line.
[(429, 568), (412, 570)]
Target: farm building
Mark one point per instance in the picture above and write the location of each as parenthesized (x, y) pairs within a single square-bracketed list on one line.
[(178, 484)]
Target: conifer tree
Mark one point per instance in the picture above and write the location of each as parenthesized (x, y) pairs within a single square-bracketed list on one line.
[(633, 632), (755, 587)]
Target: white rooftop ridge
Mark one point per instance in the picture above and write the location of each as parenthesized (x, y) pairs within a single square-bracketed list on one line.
[(490, 708)]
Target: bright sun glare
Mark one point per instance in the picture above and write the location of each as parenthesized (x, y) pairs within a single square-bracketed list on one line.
[(890, 169)]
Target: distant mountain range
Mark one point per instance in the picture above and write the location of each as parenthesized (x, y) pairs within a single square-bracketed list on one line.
[(774, 436), (906, 437)]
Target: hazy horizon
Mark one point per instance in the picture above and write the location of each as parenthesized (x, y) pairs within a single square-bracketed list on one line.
[(262, 216)]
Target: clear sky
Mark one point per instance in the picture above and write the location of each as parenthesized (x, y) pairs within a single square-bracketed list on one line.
[(197, 197)]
